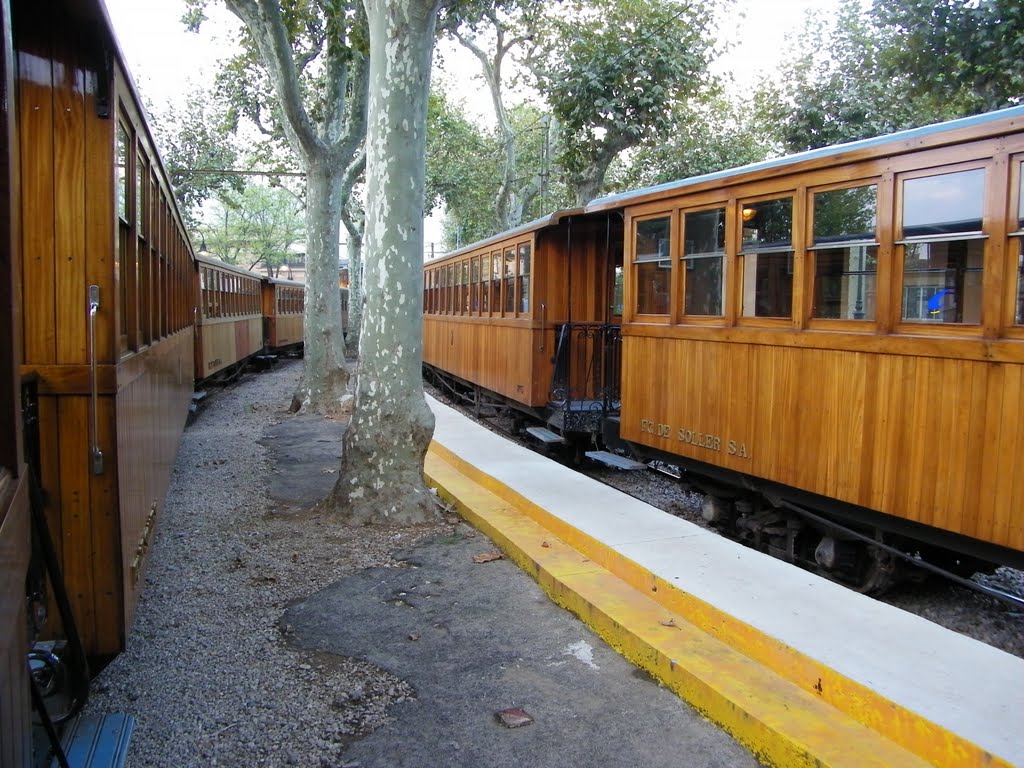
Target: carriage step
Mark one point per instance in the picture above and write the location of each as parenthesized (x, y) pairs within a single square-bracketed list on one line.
[(614, 460), (545, 435), (197, 399), (97, 741)]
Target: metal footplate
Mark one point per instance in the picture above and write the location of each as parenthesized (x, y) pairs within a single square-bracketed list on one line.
[(545, 435), (97, 741), (614, 460)]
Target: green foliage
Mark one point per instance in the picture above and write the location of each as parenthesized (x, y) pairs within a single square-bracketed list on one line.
[(255, 226), (615, 70), (965, 53), (706, 136), (464, 166), (901, 64), (195, 150)]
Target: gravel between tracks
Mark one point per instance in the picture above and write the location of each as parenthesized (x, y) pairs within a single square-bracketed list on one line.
[(206, 670)]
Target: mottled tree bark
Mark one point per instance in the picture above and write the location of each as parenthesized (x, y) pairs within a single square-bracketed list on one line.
[(381, 478), (328, 151), (325, 378)]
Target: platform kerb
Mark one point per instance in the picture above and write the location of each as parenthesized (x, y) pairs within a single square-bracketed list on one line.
[(780, 723), (941, 695)]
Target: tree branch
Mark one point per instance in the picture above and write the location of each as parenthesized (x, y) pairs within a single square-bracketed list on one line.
[(264, 22)]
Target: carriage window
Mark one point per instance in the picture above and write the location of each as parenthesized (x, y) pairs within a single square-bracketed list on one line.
[(703, 257), (845, 253), (465, 287), (510, 281), (460, 287), (140, 195), (768, 258), (449, 300), (524, 278), (475, 277), (485, 284), (496, 282), (122, 172), (943, 247), (653, 265)]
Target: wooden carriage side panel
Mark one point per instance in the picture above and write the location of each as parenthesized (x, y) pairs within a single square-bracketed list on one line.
[(35, 111), (104, 493), (147, 443), (287, 330), (100, 222), (929, 439), (70, 206), (15, 707), (494, 355), (76, 528), (1001, 506)]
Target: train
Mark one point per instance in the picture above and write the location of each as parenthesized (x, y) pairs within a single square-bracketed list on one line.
[(828, 346), (111, 323)]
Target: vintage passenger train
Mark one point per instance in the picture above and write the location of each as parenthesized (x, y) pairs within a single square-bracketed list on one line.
[(829, 345), (109, 320)]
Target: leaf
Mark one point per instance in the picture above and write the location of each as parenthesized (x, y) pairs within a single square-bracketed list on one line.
[(487, 557)]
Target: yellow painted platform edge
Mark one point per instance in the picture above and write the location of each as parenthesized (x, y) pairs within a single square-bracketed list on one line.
[(777, 721), (915, 733)]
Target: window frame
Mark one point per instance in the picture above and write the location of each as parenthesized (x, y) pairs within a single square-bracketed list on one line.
[(743, 254), (812, 250), (899, 244), (685, 260), (671, 215)]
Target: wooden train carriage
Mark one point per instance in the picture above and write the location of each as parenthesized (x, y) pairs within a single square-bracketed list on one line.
[(15, 721), (283, 313), (492, 310), (229, 322), (106, 299), (848, 322)]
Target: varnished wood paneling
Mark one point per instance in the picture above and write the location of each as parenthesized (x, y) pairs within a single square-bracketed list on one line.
[(15, 708), (927, 439), (69, 195), (35, 113), (147, 442), (496, 357), (226, 341)]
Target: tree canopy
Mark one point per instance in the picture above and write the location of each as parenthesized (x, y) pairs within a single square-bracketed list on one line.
[(899, 64), (614, 71), (257, 226)]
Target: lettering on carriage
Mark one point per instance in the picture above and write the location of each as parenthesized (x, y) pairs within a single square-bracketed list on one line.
[(700, 439), (696, 438), (654, 428)]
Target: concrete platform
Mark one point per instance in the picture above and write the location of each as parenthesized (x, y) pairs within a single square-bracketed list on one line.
[(801, 670)]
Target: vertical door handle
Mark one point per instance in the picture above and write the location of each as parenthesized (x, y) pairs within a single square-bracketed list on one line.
[(94, 423)]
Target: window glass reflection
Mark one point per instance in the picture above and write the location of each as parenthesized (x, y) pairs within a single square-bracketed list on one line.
[(653, 267), (767, 258), (703, 257), (943, 204)]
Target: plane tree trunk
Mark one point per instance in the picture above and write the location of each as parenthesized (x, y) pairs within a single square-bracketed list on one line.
[(381, 477)]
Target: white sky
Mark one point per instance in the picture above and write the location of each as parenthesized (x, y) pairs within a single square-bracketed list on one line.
[(164, 58)]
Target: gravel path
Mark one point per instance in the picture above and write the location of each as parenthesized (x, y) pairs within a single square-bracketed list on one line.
[(206, 671)]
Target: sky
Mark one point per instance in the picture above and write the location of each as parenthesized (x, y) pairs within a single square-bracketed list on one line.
[(164, 58)]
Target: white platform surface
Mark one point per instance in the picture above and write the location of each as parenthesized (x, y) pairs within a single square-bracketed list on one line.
[(965, 686)]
